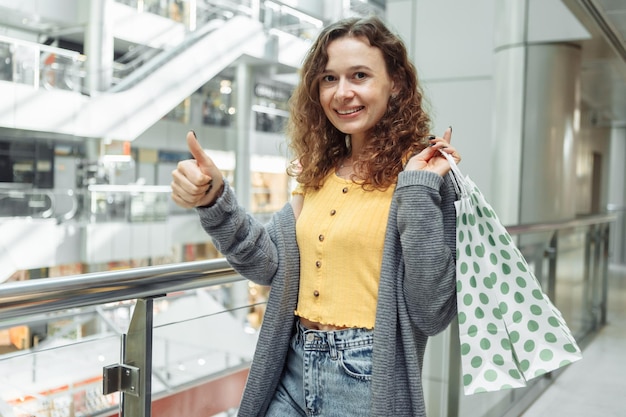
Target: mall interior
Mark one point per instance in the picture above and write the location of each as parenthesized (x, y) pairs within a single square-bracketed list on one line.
[(113, 300)]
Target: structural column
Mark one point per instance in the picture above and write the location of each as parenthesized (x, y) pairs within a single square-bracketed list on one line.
[(551, 130), (509, 83), (617, 194), (536, 122), (239, 291), (242, 150), (99, 47)]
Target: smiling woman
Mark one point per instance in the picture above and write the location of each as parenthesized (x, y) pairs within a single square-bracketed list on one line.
[(355, 88), (361, 262)]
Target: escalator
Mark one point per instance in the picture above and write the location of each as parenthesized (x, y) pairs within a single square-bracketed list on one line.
[(137, 103)]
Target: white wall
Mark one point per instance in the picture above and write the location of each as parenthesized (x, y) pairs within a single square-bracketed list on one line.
[(451, 44)]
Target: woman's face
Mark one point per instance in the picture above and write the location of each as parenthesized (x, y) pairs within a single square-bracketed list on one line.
[(355, 88)]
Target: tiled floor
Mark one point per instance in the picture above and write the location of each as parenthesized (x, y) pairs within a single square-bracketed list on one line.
[(596, 385)]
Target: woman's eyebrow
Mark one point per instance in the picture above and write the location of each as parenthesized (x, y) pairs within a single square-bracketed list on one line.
[(352, 69)]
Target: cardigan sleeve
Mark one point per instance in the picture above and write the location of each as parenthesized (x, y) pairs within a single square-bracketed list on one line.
[(244, 241), (426, 222)]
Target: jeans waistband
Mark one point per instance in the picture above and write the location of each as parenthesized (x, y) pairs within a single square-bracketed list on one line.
[(322, 340)]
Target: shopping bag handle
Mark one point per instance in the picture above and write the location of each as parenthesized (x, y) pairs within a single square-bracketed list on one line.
[(458, 179)]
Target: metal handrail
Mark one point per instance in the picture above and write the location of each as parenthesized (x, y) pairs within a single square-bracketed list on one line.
[(25, 298), (18, 299), (565, 224)]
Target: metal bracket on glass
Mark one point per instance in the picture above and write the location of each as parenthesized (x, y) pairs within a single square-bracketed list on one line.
[(124, 378)]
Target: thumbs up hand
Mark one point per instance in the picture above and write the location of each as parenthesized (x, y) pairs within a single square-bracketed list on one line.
[(196, 182)]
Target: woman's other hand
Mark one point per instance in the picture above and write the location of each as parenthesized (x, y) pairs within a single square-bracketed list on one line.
[(430, 159), (196, 182)]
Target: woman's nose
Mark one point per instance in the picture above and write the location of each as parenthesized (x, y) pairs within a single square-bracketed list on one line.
[(344, 90)]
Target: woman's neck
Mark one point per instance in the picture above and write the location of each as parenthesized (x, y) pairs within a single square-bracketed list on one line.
[(357, 144), (347, 168)]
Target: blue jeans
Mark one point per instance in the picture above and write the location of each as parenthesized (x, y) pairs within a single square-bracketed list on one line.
[(327, 374)]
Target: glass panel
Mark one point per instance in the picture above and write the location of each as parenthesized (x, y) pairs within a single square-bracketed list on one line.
[(571, 280), (60, 72), (26, 64), (131, 203), (196, 337), (6, 61), (59, 380)]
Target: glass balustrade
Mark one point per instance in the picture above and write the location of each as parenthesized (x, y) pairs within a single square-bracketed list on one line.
[(40, 66), (129, 203), (196, 339), (38, 203), (204, 329)]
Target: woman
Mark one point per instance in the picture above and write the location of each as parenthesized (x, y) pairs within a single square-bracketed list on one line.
[(361, 262)]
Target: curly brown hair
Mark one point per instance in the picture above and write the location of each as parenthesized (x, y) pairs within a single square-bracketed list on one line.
[(318, 146)]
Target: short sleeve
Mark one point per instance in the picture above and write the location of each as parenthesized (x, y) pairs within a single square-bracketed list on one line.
[(299, 190)]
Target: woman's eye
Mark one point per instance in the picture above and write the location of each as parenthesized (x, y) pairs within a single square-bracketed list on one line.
[(360, 75), (328, 78)]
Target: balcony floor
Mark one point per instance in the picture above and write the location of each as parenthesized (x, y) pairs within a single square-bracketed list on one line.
[(595, 385)]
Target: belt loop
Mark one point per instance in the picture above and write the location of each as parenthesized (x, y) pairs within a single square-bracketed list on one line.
[(330, 336), (298, 332)]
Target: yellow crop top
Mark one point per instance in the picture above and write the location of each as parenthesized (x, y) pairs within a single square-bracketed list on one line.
[(340, 233)]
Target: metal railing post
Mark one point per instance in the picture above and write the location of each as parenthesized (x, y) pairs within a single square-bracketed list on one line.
[(133, 377), (454, 372), (552, 254), (139, 353), (597, 288), (606, 239)]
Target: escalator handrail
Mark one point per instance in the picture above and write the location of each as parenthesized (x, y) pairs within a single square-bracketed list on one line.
[(164, 57)]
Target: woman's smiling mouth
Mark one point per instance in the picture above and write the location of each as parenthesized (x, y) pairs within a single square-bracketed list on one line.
[(349, 111)]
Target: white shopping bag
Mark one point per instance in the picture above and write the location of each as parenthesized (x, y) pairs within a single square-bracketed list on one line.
[(510, 332)]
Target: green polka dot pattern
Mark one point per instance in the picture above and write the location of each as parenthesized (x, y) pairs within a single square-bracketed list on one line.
[(510, 332)]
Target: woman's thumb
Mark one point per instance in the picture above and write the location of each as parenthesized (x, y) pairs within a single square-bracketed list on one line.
[(197, 152)]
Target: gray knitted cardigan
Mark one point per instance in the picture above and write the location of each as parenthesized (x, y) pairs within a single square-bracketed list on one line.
[(416, 297)]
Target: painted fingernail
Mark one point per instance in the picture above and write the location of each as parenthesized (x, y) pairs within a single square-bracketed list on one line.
[(194, 134), (432, 137), (450, 128)]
